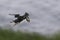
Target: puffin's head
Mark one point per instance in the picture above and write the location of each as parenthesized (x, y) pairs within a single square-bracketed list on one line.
[(27, 17), (26, 14)]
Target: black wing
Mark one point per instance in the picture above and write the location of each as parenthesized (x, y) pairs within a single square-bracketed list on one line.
[(16, 15)]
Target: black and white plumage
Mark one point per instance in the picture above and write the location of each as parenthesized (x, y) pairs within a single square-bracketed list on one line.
[(20, 18)]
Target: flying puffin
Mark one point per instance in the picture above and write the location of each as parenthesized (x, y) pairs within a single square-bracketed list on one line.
[(20, 18)]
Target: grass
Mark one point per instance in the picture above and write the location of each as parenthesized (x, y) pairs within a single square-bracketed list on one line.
[(7, 34), (18, 35), (55, 36)]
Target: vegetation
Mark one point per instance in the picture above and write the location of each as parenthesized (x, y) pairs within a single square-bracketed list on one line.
[(6, 34)]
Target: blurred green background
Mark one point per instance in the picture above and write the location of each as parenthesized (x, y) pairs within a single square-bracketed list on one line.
[(9, 34)]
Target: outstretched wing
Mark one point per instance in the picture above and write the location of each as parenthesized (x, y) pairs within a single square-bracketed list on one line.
[(12, 14), (16, 15), (28, 19)]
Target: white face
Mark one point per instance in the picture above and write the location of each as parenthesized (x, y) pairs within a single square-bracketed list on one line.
[(28, 19)]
